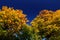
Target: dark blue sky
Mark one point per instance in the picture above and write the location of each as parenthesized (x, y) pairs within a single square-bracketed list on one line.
[(31, 7)]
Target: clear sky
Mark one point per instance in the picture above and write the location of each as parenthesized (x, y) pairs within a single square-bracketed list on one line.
[(31, 7)]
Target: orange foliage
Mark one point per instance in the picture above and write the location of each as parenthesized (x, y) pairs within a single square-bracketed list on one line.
[(11, 18), (47, 22)]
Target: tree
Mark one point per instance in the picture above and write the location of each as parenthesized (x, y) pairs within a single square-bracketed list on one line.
[(11, 22), (27, 33), (47, 23)]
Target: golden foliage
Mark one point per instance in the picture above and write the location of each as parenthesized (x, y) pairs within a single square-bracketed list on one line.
[(11, 18), (47, 22)]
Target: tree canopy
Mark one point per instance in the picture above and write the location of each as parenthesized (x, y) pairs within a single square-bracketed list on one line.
[(13, 25), (47, 23)]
